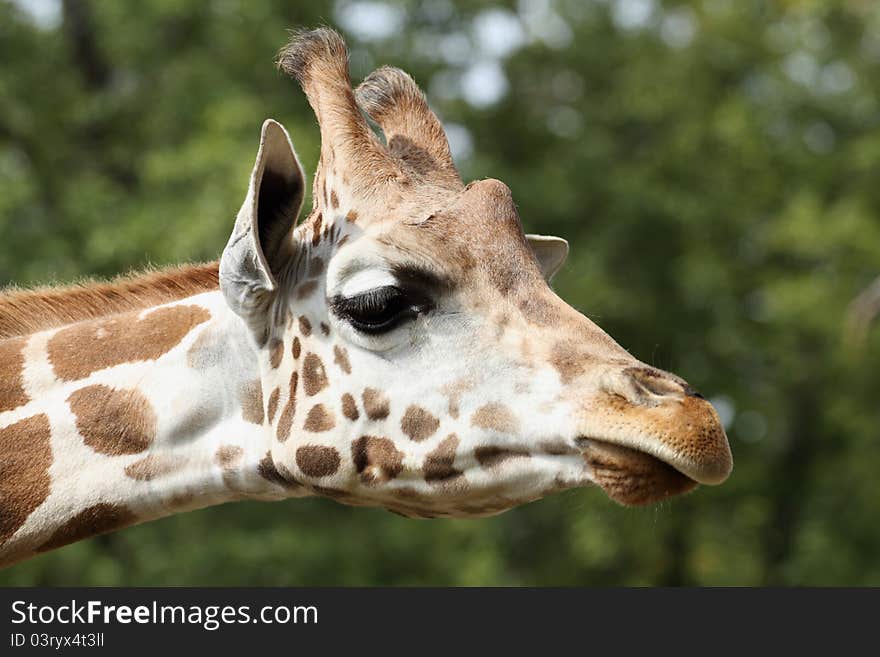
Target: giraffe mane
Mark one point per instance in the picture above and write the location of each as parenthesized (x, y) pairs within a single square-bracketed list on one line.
[(23, 312)]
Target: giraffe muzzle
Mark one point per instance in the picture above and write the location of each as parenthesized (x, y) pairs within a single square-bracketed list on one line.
[(649, 436)]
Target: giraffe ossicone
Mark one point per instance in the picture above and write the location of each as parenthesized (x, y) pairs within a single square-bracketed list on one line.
[(400, 347)]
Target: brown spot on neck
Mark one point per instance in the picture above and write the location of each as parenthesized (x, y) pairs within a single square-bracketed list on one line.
[(285, 422), (113, 421), (25, 457), (418, 424), (97, 519), (228, 456), (153, 467), (77, 351), (272, 406), (376, 404), (319, 419), (305, 326), (438, 463), (267, 470), (376, 459), (351, 216), (296, 349), (317, 460), (250, 397), (276, 352), (12, 394)]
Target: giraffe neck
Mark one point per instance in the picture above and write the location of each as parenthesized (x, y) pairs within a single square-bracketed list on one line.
[(128, 418)]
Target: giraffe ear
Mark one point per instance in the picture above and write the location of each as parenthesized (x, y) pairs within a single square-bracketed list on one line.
[(550, 252), (261, 243)]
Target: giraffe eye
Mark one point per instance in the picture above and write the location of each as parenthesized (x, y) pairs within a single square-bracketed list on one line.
[(380, 310)]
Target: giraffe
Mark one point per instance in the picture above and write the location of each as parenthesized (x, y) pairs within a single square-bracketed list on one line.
[(400, 347)]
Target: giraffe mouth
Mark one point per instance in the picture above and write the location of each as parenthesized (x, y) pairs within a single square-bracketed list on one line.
[(632, 477)]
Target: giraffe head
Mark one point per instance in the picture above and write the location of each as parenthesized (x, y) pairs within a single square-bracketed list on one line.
[(412, 353)]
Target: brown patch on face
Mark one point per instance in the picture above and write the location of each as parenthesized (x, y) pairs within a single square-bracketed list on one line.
[(501, 324), (267, 470), (250, 395), (314, 375), (319, 419), (317, 460), (296, 349), (351, 216), (334, 199), (325, 329), (272, 406), (340, 357), (285, 422), (113, 421), (316, 267), (276, 352), (305, 289), (152, 467), (454, 391), (12, 394), (495, 417), (568, 360), (97, 519), (539, 311), (79, 350), (438, 464), (305, 326), (418, 424), (228, 455), (316, 229), (376, 405), (25, 457), (492, 456), (349, 407), (376, 459)]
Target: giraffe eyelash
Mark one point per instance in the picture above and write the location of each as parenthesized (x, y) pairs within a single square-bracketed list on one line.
[(380, 310)]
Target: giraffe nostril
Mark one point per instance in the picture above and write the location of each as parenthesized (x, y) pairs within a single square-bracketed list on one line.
[(654, 382), (649, 387)]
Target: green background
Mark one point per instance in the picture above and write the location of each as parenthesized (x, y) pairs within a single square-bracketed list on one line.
[(715, 165)]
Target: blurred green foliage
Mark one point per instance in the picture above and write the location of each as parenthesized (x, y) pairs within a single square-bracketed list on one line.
[(714, 164)]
